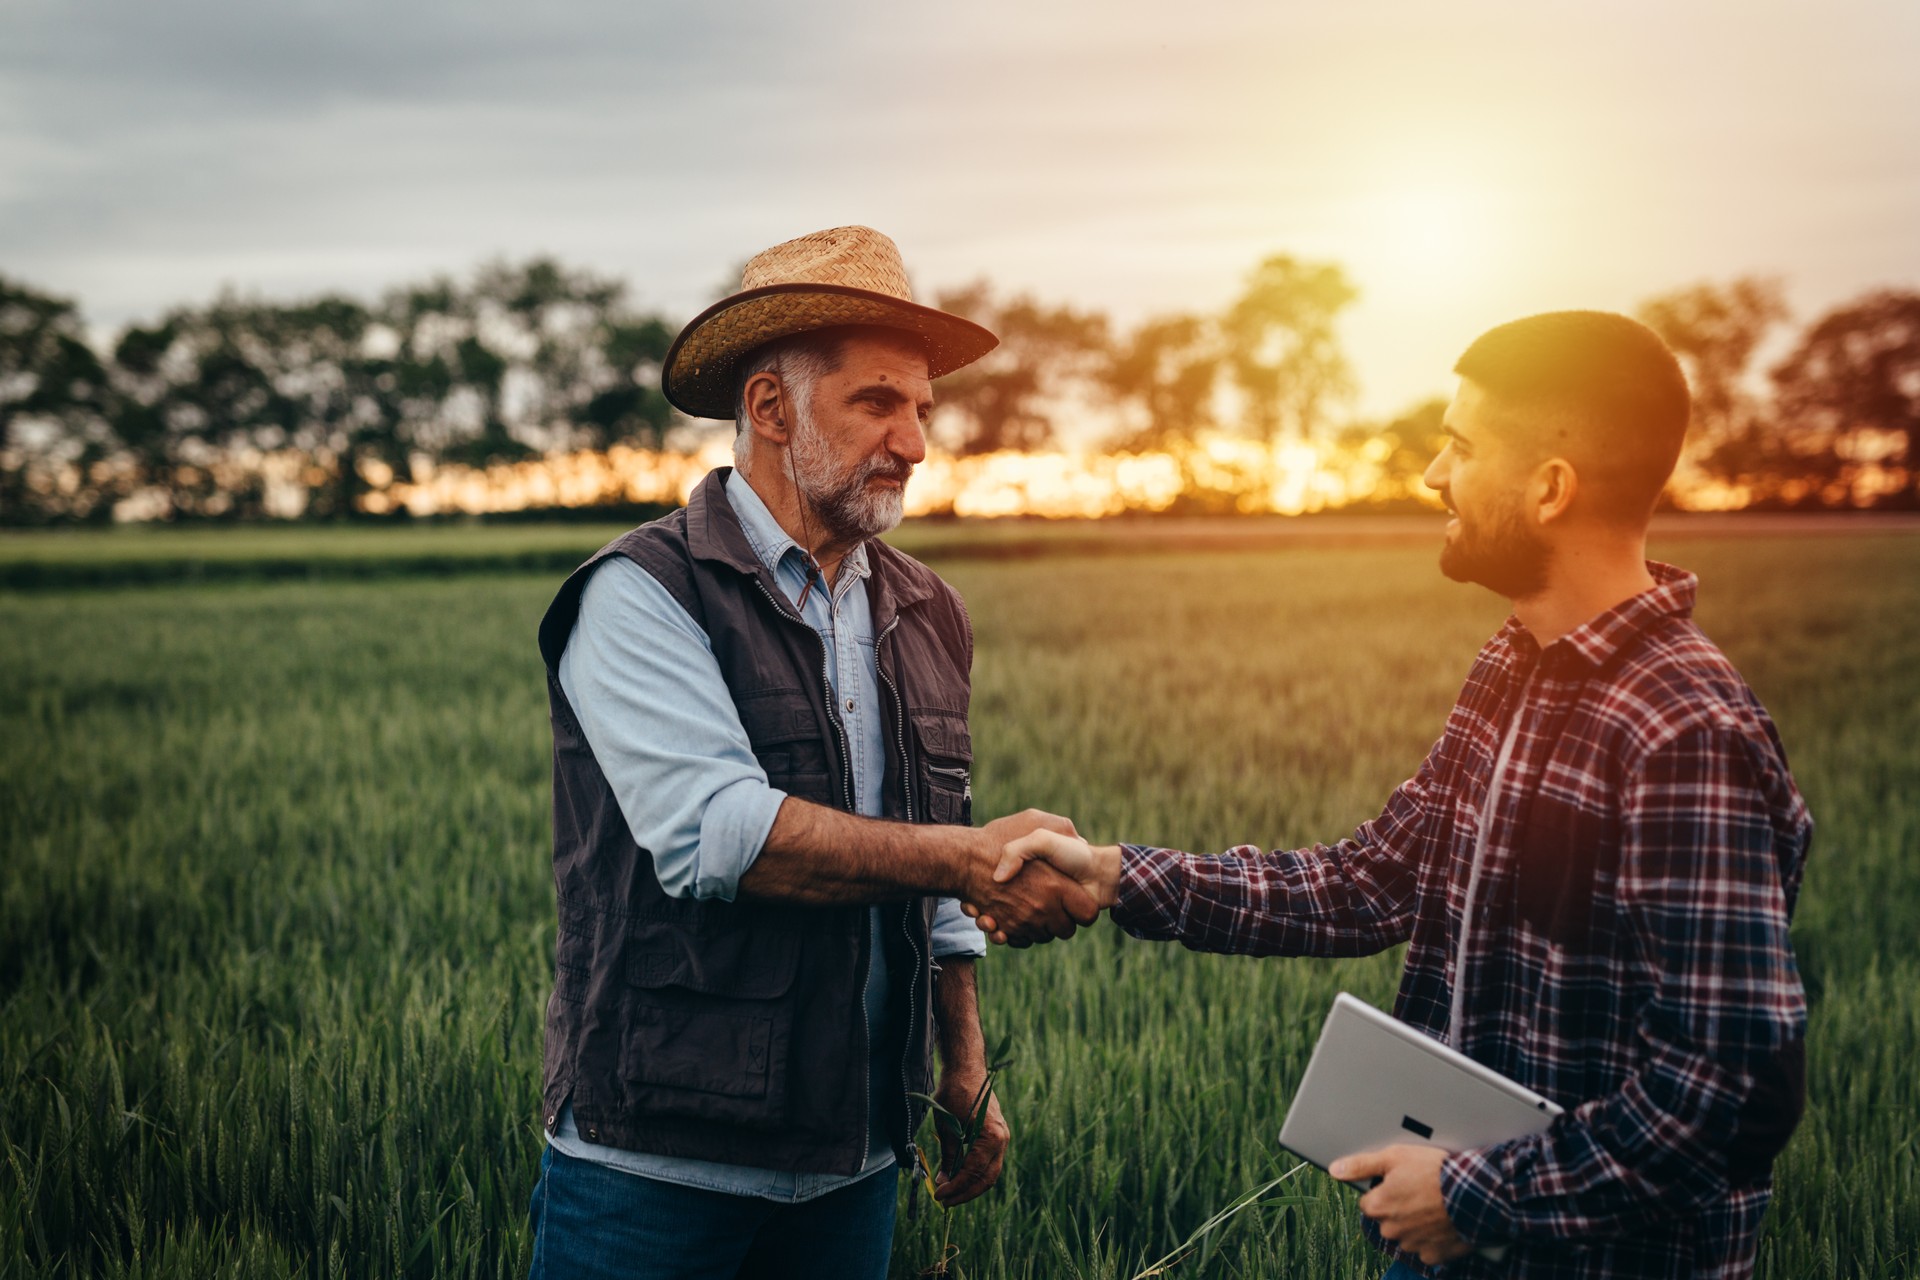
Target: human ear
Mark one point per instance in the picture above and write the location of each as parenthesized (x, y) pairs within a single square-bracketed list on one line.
[(1554, 485), (767, 407)]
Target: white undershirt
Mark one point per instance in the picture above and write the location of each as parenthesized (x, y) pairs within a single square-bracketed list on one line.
[(1488, 810)]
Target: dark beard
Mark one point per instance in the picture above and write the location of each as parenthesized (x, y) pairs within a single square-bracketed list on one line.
[(1503, 555)]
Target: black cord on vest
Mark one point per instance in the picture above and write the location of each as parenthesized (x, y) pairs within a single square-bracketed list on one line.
[(814, 572)]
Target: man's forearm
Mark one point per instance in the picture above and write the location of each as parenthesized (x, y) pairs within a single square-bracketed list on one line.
[(817, 856), (956, 1016), (822, 857)]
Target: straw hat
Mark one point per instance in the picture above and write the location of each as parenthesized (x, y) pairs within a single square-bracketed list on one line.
[(849, 275)]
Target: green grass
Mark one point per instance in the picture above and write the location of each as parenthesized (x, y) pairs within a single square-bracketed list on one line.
[(54, 559), (276, 915)]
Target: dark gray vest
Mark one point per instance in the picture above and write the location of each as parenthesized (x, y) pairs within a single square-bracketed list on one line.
[(734, 1031)]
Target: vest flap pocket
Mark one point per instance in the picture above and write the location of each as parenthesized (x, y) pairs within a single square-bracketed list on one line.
[(786, 737), (777, 715), (734, 963), (700, 1050), (708, 1025), (943, 736), (946, 765)]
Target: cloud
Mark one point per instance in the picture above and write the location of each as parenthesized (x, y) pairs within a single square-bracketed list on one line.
[(1118, 154)]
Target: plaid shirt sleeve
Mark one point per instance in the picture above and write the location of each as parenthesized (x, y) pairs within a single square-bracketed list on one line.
[(1719, 1051), (1347, 899)]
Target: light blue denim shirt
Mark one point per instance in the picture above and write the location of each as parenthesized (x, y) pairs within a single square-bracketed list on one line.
[(642, 680)]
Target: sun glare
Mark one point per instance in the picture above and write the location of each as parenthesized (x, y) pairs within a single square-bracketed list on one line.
[(1427, 239)]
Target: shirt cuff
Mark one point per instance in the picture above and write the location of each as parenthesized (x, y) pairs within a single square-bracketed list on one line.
[(1152, 890), (733, 831), (1471, 1184), (954, 932)]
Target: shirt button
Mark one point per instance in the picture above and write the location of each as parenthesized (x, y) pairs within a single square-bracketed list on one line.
[(849, 704)]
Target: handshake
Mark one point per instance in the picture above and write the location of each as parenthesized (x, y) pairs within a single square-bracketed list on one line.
[(1033, 879)]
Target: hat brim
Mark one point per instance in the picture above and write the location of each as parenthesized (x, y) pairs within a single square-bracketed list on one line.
[(698, 376)]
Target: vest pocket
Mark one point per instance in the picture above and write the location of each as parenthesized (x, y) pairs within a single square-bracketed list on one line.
[(709, 1024), (789, 740), (946, 765)]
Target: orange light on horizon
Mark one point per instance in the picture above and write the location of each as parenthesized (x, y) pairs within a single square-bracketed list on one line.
[(1217, 472)]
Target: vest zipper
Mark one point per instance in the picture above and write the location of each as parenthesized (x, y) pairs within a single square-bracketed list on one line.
[(965, 776), (899, 715), (913, 981), (913, 987)]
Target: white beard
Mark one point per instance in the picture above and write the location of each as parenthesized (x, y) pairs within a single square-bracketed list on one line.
[(847, 506)]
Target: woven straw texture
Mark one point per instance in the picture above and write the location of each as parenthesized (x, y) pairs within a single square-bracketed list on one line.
[(845, 276)]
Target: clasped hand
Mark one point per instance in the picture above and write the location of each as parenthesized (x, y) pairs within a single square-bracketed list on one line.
[(1018, 903)]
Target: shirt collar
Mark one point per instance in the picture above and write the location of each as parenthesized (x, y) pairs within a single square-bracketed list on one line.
[(770, 542), (1602, 636)]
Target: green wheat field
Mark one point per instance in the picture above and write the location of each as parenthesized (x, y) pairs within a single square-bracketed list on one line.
[(276, 913)]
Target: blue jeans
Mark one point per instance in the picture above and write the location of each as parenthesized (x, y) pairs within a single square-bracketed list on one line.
[(598, 1223)]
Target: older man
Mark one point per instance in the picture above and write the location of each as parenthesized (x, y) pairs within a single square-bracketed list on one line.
[(761, 789), (1595, 867)]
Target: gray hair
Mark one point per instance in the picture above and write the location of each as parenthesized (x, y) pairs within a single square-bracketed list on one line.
[(799, 362)]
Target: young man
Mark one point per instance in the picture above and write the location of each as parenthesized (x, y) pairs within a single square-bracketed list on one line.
[(1595, 866), (760, 798)]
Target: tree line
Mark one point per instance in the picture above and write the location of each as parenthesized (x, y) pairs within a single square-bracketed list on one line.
[(248, 408)]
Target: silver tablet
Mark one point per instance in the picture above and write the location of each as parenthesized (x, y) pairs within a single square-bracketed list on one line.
[(1373, 1081)]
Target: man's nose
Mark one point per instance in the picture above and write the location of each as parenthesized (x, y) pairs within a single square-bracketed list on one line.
[(908, 439), (1435, 476)]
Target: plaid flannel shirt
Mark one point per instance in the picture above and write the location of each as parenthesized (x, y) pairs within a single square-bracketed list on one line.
[(1627, 956)]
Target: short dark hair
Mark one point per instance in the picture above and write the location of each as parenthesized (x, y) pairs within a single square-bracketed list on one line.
[(1612, 378)]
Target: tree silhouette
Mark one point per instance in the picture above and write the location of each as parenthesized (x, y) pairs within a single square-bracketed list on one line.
[(1400, 452), (1850, 398), (1282, 349), (1715, 330), (1006, 400), (1165, 373), (54, 398)]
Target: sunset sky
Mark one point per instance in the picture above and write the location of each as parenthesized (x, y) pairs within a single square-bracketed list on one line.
[(1467, 162)]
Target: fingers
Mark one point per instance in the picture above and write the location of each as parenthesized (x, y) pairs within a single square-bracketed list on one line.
[(1041, 820), (1067, 853), (1038, 906), (949, 1143), (1051, 846), (981, 1168), (1054, 822), (980, 1171), (1368, 1164), (1015, 856), (1079, 904), (1405, 1201)]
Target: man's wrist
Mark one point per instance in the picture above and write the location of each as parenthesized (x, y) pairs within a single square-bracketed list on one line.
[(975, 856), (1107, 865)]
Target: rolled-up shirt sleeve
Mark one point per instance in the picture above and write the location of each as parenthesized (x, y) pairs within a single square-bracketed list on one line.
[(954, 932), (641, 678)]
